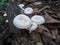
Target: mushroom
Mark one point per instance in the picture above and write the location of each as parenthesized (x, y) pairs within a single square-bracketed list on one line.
[(32, 27), (38, 19), (5, 14), (28, 10), (21, 6), (22, 21), (6, 21)]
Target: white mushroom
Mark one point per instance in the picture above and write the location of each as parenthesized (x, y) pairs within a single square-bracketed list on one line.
[(28, 10), (22, 21), (38, 19), (21, 6), (6, 21), (5, 14), (32, 27)]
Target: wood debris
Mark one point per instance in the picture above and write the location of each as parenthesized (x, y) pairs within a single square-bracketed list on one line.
[(46, 34)]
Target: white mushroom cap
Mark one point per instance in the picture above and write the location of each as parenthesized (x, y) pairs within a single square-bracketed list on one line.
[(22, 21), (21, 6), (6, 21), (33, 27), (28, 10), (38, 19), (5, 14)]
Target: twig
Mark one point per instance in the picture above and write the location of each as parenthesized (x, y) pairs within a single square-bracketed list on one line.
[(43, 8), (49, 11)]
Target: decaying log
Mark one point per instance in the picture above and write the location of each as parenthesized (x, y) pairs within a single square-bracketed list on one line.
[(12, 11)]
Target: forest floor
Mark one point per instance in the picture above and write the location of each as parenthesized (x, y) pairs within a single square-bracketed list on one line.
[(46, 34)]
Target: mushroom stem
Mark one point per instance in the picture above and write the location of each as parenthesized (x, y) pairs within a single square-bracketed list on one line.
[(32, 27)]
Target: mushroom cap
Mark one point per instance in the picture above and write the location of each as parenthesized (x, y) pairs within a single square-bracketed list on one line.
[(5, 14), (21, 6), (6, 21), (38, 19), (28, 10), (22, 21), (33, 27)]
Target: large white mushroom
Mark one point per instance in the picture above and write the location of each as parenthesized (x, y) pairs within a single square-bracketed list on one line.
[(28, 10), (38, 19), (32, 27), (21, 6), (22, 21)]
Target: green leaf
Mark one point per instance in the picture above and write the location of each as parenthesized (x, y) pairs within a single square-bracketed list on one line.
[(3, 3)]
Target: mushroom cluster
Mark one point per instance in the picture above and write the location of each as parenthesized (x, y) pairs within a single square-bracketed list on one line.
[(22, 21), (27, 10)]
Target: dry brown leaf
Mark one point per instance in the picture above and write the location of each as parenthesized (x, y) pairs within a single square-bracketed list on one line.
[(41, 28), (45, 32), (49, 19)]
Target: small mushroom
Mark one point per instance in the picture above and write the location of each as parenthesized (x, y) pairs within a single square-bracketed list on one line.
[(22, 21), (28, 10), (5, 14), (21, 6), (38, 19), (32, 27), (6, 21)]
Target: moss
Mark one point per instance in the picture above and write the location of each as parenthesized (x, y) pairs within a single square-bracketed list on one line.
[(3, 3)]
